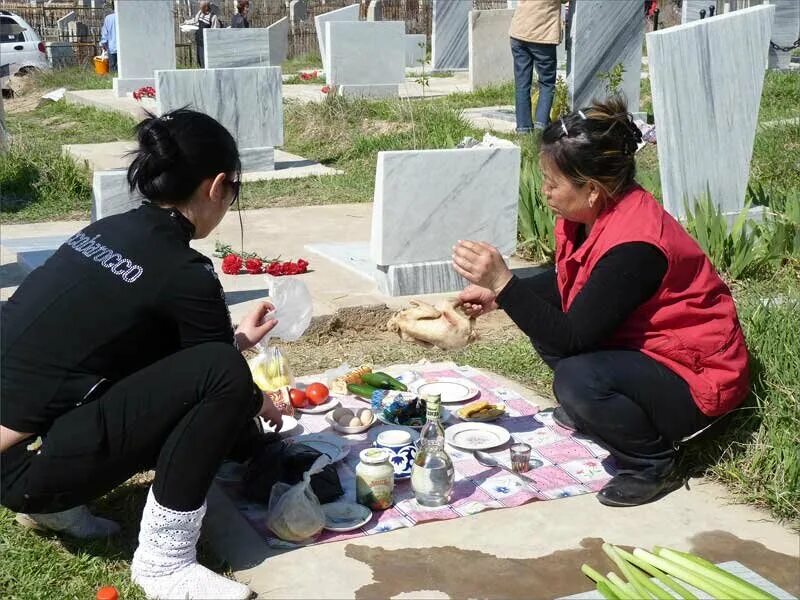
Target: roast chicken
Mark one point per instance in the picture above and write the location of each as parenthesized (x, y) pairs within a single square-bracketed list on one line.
[(444, 326)]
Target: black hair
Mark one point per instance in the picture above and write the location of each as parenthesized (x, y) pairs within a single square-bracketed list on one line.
[(597, 143), (177, 152)]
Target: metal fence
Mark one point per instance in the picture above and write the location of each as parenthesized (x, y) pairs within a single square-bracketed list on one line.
[(417, 15)]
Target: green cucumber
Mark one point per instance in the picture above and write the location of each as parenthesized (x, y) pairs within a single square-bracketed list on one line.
[(360, 389), (383, 381)]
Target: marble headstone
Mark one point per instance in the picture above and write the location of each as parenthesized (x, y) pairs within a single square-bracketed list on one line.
[(247, 101), (60, 54), (427, 200), (145, 42), (785, 31), (416, 49), (603, 35), (65, 20), (375, 11), (690, 9), (450, 37), (707, 116), (354, 66), (298, 11), (230, 48), (490, 60), (77, 31), (111, 194), (348, 13), (278, 42)]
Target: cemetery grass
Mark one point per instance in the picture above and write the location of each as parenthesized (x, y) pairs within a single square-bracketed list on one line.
[(72, 78), (298, 63), (38, 183)]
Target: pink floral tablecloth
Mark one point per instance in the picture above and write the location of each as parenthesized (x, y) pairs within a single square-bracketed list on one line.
[(563, 464)]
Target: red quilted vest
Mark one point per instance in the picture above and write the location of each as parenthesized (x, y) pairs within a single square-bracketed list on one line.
[(690, 323)]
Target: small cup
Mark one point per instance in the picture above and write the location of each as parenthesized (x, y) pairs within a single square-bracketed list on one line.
[(402, 450), (520, 457)]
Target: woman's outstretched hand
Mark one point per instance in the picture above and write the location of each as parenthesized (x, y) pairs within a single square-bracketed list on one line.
[(271, 413), (482, 264), (255, 326), (477, 301)]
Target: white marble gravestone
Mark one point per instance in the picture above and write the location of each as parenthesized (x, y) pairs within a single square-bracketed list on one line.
[(604, 34), (298, 11), (64, 21), (145, 42), (490, 60), (278, 41), (246, 100), (706, 114), (111, 194), (416, 49), (354, 65), (785, 31), (690, 9), (427, 200), (375, 11), (449, 37), (348, 13), (230, 48)]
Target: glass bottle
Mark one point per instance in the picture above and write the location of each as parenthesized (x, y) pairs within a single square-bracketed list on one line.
[(432, 474)]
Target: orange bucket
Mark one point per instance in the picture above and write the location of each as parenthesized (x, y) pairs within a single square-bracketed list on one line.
[(100, 65)]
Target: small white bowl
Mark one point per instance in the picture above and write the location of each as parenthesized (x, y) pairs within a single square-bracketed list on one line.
[(348, 430)]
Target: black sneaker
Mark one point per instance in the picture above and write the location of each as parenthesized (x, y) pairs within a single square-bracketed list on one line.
[(562, 419), (629, 489)]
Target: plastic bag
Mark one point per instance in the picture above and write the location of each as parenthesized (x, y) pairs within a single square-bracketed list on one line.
[(294, 513), (270, 369), (293, 308)]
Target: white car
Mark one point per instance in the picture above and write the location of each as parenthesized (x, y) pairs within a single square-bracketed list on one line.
[(21, 49)]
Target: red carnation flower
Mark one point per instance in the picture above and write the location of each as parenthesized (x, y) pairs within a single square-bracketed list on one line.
[(254, 266), (326, 89), (274, 269), (231, 264), (303, 265)]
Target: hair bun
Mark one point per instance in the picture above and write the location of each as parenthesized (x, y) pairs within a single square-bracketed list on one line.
[(156, 140), (634, 137)]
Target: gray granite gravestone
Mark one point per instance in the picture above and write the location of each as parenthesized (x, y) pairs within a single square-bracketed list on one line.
[(706, 117), (298, 11), (450, 37)]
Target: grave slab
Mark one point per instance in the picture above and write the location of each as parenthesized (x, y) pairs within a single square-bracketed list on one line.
[(427, 200), (246, 101), (785, 31), (604, 34), (416, 49), (707, 117), (490, 60), (145, 42), (230, 48), (278, 41), (690, 10), (111, 194), (353, 64), (450, 37), (348, 13)]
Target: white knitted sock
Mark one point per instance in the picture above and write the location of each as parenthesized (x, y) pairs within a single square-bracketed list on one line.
[(77, 522), (165, 563)]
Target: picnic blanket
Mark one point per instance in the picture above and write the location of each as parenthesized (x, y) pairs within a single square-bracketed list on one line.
[(563, 464)]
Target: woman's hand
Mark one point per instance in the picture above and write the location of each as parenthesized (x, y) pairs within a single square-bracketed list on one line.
[(271, 414), (477, 301), (481, 263), (254, 326)]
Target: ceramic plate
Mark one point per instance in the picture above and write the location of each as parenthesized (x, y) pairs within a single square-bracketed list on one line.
[(348, 430), (481, 419), (345, 516), (325, 443), (476, 436), (320, 408), (373, 435), (452, 389), (290, 426)]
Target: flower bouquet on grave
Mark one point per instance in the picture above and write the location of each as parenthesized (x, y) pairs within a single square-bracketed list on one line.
[(144, 92), (234, 262)]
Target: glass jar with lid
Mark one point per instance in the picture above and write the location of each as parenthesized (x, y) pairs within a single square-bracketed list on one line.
[(375, 479)]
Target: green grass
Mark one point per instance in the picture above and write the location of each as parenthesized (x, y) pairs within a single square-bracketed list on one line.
[(72, 78), (298, 63), (38, 183), (776, 157), (781, 96)]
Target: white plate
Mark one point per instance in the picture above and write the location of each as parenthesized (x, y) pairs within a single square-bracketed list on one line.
[(373, 435), (499, 406), (451, 389), (348, 430), (476, 436), (345, 516), (291, 426), (320, 408), (332, 445)]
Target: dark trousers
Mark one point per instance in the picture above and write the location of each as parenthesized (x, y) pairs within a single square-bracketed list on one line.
[(180, 415), (542, 57), (112, 62)]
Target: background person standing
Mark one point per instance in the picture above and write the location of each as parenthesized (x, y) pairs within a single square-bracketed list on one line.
[(535, 33), (239, 20), (108, 39), (204, 19)]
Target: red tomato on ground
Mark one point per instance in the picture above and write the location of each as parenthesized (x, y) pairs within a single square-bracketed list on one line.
[(317, 393), (298, 398)]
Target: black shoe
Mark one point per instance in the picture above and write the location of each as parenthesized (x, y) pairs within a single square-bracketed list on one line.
[(629, 489), (562, 419)]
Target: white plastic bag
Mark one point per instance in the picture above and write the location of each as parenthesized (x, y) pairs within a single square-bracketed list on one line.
[(294, 513), (293, 308)]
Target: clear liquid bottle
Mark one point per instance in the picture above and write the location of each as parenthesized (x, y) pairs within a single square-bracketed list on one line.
[(432, 474)]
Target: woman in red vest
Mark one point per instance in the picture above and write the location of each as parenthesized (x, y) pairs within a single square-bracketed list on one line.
[(640, 330)]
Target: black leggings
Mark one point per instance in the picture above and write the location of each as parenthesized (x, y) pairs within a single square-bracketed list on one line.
[(181, 415)]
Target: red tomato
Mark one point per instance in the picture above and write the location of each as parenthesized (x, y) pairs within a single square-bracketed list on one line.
[(317, 393), (298, 397)]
